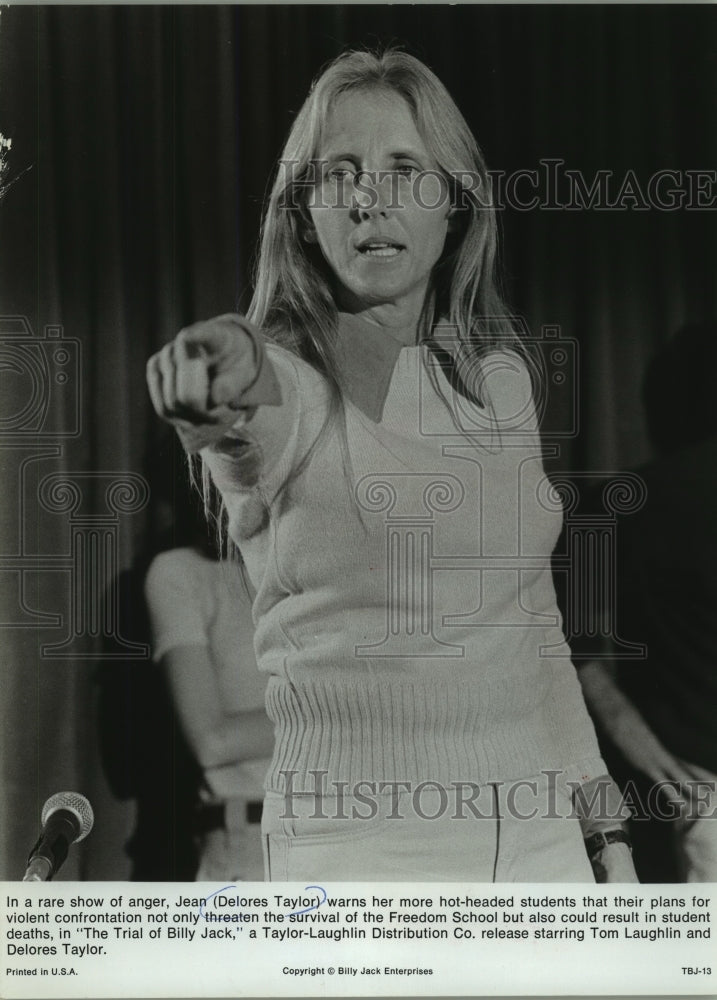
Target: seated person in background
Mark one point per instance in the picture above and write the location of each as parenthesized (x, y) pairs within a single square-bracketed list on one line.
[(659, 712), (202, 635)]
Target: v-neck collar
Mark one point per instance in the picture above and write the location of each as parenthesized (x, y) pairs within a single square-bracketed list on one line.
[(367, 354)]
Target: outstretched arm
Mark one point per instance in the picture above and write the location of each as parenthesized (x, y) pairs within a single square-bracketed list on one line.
[(212, 375)]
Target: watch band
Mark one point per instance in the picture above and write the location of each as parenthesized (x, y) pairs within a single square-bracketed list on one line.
[(597, 841)]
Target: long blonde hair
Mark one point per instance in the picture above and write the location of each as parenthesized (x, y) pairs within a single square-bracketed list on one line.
[(293, 301)]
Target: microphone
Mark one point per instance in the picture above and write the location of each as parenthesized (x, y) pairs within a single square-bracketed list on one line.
[(66, 819)]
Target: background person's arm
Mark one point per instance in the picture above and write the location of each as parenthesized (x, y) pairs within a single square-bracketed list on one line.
[(632, 736), (217, 737)]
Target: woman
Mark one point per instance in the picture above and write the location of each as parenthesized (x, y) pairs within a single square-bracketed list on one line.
[(377, 453)]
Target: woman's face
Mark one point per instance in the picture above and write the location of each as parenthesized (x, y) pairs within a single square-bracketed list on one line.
[(380, 210)]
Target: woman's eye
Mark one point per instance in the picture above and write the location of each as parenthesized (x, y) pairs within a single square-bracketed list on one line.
[(340, 173), (406, 169)]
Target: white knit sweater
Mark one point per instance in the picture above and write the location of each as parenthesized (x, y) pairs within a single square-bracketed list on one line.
[(405, 609)]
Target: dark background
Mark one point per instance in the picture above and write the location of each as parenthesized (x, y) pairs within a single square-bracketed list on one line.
[(150, 134)]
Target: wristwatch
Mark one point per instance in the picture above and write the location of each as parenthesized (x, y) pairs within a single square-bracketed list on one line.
[(595, 843)]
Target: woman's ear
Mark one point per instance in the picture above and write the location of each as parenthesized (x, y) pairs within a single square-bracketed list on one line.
[(309, 235)]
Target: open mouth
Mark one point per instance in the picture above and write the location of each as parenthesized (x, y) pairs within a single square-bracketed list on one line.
[(379, 248)]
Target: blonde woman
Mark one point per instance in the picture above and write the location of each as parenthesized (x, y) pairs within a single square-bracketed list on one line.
[(371, 429)]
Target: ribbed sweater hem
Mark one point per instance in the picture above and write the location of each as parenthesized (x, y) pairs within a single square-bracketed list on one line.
[(404, 730)]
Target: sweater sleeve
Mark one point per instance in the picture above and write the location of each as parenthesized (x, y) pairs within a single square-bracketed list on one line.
[(175, 611), (268, 442), (568, 718)]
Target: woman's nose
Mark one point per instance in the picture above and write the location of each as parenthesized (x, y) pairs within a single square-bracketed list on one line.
[(371, 197)]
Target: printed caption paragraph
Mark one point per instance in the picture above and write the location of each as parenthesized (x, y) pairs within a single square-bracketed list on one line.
[(113, 939)]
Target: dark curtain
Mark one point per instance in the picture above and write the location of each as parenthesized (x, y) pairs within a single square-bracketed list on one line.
[(142, 142)]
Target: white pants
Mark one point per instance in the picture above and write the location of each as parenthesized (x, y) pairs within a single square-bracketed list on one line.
[(522, 834)]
